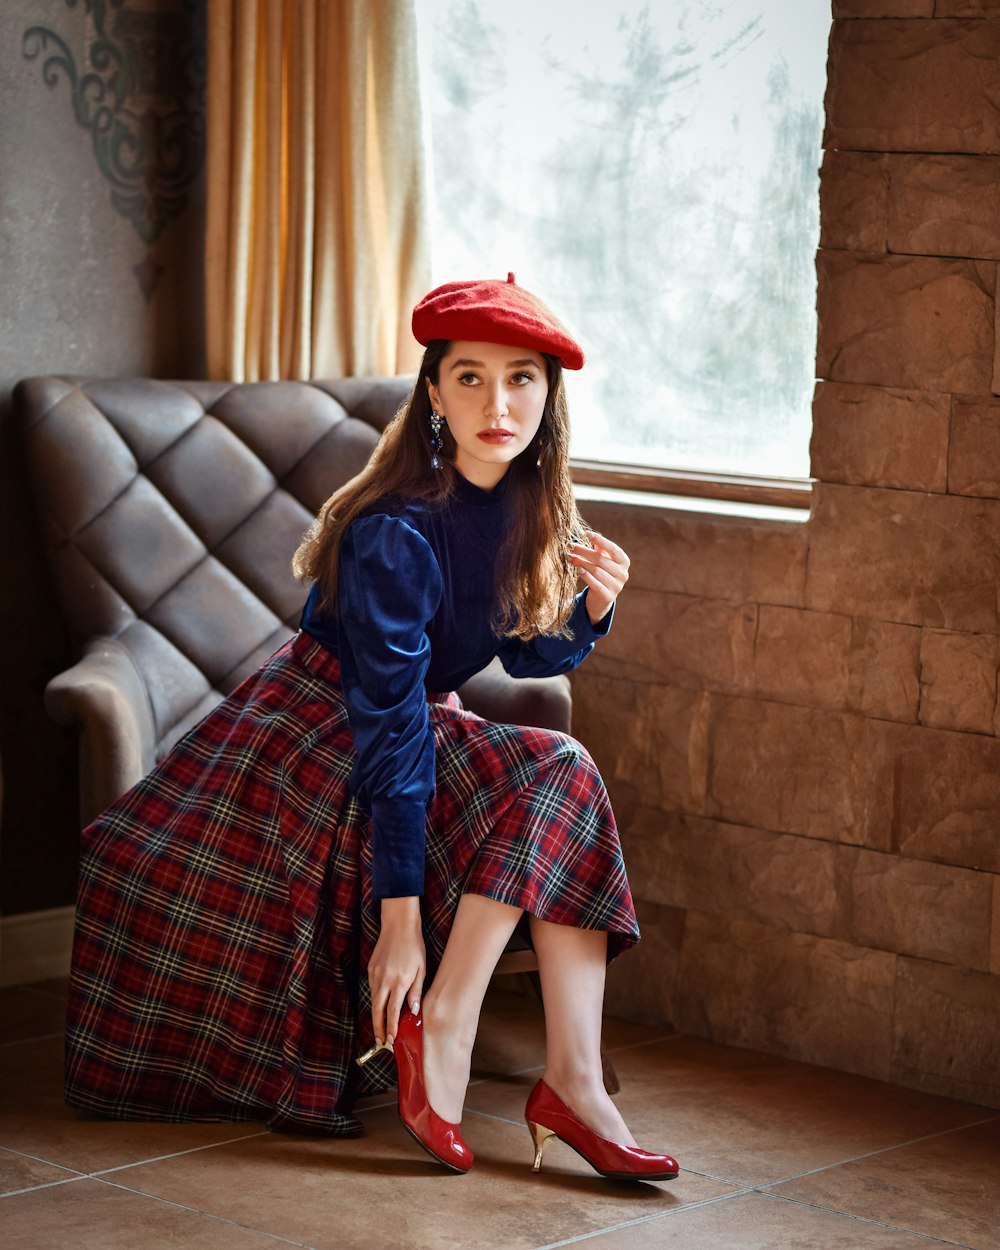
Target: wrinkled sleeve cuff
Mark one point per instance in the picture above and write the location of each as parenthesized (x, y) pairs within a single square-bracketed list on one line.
[(583, 634), (398, 847), (602, 627)]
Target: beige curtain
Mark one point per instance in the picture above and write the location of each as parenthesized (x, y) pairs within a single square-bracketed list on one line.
[(317, 242)]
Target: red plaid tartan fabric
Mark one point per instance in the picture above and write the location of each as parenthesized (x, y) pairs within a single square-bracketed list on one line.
[(225, 916)]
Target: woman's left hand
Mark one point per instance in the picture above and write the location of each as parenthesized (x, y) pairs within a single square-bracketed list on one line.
[(604, 568)]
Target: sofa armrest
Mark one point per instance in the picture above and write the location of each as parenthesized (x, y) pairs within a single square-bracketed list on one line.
[(105, 697), (545, 702)]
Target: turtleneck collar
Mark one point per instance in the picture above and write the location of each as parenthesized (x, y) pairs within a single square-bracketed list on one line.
[(476, 496)]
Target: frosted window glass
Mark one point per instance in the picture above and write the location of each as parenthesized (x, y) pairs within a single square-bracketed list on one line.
[(650, 169)]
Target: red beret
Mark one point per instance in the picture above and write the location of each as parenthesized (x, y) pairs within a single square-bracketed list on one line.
[(489, 311)]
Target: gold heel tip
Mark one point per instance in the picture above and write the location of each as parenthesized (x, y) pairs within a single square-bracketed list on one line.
[(539, 1139), (372, 1051)]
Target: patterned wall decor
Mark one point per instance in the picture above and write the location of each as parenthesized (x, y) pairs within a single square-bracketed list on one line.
[(139, 89)]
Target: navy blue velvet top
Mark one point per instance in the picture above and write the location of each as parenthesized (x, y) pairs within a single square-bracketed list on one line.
[(413, 611)]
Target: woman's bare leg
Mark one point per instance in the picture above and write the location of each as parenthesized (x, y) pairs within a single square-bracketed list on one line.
[(572, 965), (451, 1007)]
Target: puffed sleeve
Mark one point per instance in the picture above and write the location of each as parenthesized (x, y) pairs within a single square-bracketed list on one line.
[(545, 656), (389, 587)]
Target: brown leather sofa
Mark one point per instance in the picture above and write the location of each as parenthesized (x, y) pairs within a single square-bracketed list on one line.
[(170, 511)]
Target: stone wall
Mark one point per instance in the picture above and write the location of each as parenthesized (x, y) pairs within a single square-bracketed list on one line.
[(798, 723)]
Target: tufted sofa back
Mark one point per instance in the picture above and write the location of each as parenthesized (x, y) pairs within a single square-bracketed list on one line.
[(170, 512)]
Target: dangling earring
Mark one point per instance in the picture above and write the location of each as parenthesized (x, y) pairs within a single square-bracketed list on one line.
[(543, 442), (436, 444)]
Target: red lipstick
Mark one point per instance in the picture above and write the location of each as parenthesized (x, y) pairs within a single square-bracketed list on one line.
[(497, 437)]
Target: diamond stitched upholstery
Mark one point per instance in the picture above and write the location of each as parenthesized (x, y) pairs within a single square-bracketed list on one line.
[(171, 511)]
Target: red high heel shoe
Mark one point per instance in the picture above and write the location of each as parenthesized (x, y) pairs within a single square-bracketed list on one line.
[(441, 1140), (548, 1116)]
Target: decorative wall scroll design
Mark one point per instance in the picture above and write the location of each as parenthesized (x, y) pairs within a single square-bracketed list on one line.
[(140, 92)]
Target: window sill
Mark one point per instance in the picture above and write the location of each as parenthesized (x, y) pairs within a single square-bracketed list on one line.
[(774, 499), (721, 494)]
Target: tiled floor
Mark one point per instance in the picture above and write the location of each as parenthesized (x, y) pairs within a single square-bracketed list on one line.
[(774, 1154)]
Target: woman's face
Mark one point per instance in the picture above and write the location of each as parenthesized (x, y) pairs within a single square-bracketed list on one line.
[(492, 398)]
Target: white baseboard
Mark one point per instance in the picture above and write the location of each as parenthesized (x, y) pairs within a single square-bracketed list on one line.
[(36, 945)]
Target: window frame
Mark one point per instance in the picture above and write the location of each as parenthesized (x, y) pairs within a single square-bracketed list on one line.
[(779, 492)]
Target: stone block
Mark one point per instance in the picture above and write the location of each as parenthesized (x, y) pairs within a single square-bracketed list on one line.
[(684, 552), (914, 86), (995, 939), (995, 384), (694, 864), (794, 770), (967, 8), (884, 669), (911, 907), (802, 657), (786, 993), (778, 557), (902, 556), (880, 436), (944, 206), (821, 659), (649, 742), (710, 557), (679, 640), (943, 791), (919, 322), (883, 8), (974, 452), (946, 1022), (958, 680), (642, 984), (853, 200)]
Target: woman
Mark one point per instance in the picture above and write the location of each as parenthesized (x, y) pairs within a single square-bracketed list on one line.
[(270, 899)]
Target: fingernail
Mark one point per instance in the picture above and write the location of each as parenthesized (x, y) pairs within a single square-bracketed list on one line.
[(415, 1006)]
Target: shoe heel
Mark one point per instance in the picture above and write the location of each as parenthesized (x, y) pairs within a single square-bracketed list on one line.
[(372, 1051), (539, 1136)]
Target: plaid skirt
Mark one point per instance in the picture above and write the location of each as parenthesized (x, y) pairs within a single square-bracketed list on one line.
[(225, 918)]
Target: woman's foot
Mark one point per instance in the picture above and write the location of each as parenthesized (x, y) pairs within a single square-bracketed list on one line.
[(447, 1060), (585, 1093), (549, 1116), (441, 1139)]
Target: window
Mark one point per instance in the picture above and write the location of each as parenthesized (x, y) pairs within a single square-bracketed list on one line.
[(650, 169)]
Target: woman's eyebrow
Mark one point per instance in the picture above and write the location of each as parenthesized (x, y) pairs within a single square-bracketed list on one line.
[(478, 364)]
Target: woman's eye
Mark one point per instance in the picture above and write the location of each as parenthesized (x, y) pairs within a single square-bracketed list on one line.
[(467, 379), (522, 379)]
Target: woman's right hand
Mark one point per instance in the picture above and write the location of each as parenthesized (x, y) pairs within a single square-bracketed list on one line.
[(397, 966)]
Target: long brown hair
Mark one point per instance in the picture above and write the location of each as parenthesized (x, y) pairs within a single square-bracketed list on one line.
[(535, 580)]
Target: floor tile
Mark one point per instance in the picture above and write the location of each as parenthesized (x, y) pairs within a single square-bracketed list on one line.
[(26, 1013), (756, 1222), (19, 1171), (382, 1192), (946, 1187), (91, 1215), (745, 1117), (35, 1120)]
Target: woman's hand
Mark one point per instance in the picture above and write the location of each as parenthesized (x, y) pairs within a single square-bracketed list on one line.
[(397, 966), (604, 567)]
